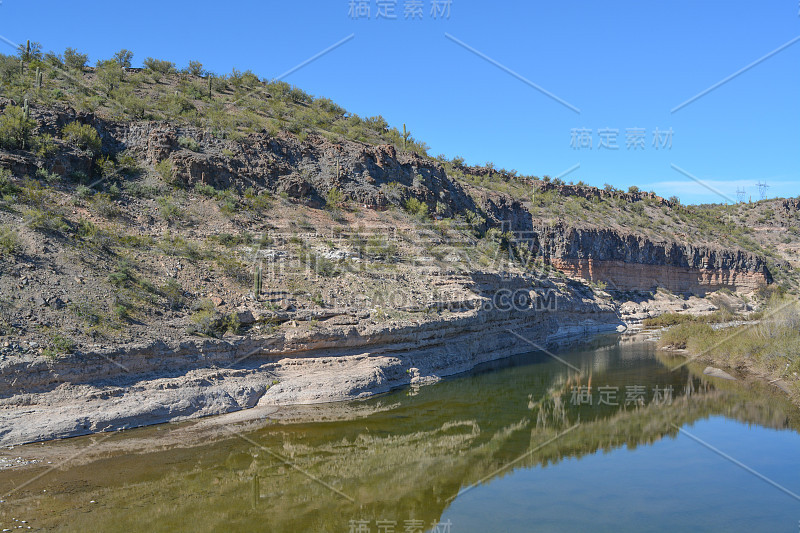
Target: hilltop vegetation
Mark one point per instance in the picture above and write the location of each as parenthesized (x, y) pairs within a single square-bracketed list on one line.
[(230, 105)]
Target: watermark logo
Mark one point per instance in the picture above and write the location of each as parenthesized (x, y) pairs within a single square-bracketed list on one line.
[(394, 9), (391, 526), (610, 395), (608, 139)]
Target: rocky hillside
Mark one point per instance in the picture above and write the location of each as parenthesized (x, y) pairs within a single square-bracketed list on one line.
[(217, 242)]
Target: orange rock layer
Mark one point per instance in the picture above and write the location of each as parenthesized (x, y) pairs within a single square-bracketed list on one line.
[(635, 276)]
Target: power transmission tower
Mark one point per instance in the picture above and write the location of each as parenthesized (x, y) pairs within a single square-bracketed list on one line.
[(762, 189), (740, 192)]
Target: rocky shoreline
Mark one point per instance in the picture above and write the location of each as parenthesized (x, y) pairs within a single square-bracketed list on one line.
[(159, 382)]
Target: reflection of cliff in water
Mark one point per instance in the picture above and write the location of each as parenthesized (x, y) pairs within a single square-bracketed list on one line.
[(398, 464)]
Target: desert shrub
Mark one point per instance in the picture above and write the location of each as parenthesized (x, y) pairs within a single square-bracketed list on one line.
[(15, 129), (228, 207), (59, 345), (176, 105), (189, 144), (228, 240), (206, 190), (134, 106), (159, 65), (50, 177), (164, 168), (416, 208), (124, 58), (393, 192), (140, 190), (45, 221), (177, 246), (334, 198), (83, 192), (206, 320), (169, 210), (82, 136), (44, 145), (10, 243), (62, 344), (109, 74), (173, 292), (195, 68), (7, 187), (75, 60), (86, 229), (320, 265), (103, 205)]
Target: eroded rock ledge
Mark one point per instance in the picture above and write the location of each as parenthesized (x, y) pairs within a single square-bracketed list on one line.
[(158, 382)]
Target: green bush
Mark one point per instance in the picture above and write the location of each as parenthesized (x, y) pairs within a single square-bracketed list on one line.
[(207, 321), (189, 144), (109, 74), (169, 210), (82, 136), (44, 145), (75, 60), (50, 177), (334, 198), (10, 243), (104, 206), (124, 58), (173, 292), (195, 68), (164, 168), (59, 345), (15, 129), (416, 208), (62, 344), (7, 187), (158, 65), (45, 221), (83, 192)]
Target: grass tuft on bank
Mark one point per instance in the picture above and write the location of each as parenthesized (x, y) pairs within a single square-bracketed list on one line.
[(770, 346)]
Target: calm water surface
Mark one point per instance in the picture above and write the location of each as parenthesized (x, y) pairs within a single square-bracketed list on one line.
[(513, 446)]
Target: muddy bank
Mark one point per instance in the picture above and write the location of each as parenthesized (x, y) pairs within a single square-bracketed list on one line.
[(157, 383)]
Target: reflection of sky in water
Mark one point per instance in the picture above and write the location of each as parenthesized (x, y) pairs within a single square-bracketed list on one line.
[(675, 484)]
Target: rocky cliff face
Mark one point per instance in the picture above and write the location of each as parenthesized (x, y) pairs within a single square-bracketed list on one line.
[(627, 261), (305, 170), (624, 260), (377, 176)]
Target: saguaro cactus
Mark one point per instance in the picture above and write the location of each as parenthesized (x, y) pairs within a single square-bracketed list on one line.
[(406, 135), (257, 283), (210, 76), (26, 112)]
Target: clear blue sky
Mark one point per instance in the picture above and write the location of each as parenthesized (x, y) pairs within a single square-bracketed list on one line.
[(624, 64)]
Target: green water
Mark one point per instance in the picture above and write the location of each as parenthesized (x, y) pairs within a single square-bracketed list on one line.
[(509, 447)]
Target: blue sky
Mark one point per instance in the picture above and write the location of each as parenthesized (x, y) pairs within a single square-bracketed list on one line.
[(624, 64)]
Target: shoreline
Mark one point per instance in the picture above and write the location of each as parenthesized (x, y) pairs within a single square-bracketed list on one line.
[(158, 383), (746, 372)]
